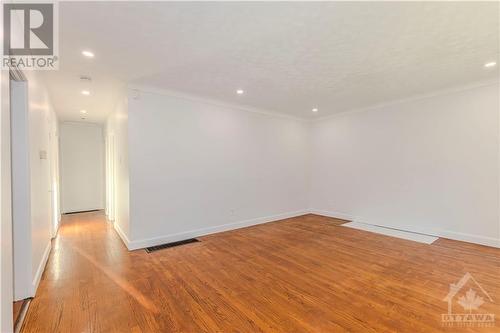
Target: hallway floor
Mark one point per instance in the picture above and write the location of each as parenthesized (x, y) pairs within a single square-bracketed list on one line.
[(304, 274)]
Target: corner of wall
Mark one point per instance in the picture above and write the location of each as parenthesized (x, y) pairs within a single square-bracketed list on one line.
[(395, 163), (117, 135), (123, 236)]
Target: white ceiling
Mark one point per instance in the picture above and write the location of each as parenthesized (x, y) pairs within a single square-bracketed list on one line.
[(288, 56)]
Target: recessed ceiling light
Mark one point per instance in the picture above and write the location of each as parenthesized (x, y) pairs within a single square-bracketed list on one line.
[(88, 54), (85, 92), (490, 64), (315, 110), (83, 111), (240, 91)]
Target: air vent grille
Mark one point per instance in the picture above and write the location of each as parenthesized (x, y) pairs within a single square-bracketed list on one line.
[(168, 245)]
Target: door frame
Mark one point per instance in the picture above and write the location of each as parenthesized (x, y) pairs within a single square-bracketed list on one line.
[(110, 177)]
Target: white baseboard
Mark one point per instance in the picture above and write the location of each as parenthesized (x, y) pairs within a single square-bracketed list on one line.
[(122, 235), (81, 210), (470, 238), (336, 215), (412, 236), (56, 231), (142, 243), (41, 268)]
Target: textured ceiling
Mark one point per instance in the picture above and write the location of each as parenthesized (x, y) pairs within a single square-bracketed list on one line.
[(288, 56)]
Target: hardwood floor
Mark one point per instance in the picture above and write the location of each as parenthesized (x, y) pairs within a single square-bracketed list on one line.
[(16, 309), (305, 274)]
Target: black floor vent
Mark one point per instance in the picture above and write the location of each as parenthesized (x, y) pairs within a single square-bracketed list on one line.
[(82, 211), (166, 246)]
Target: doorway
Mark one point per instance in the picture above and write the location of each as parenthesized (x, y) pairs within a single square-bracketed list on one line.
[(82, 167)]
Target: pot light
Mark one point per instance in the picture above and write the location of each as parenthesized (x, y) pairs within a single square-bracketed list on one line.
[(83, 111), (85, 92), (490, 64), (315, 110), (88, 54), (240, 91)]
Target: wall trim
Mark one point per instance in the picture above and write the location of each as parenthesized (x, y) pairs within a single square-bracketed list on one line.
[(336, 215), (410, 99), (41, 268), (142, 243), (136, 90), (464, 237), (122, 235)]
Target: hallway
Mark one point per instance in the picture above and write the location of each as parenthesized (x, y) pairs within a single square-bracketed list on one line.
[(86, 280)]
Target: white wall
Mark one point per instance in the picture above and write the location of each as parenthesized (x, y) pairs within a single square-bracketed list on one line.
[(21, 190), (34, 184), (54, 161), (42, 126), (429, 165), (118, 195), (82, 166), (198, 167), (192, 166), (42, 121), (6, 267)]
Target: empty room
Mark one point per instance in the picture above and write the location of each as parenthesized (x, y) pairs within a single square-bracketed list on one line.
[(250, 167)]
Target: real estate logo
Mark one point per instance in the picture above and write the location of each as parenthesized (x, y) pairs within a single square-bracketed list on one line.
[(30, 36), (470, 300)]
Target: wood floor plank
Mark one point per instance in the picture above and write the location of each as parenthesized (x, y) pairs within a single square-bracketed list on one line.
[(304, 274), (16, 308)]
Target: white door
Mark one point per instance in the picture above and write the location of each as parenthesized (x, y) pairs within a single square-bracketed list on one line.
[(82, 167)]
